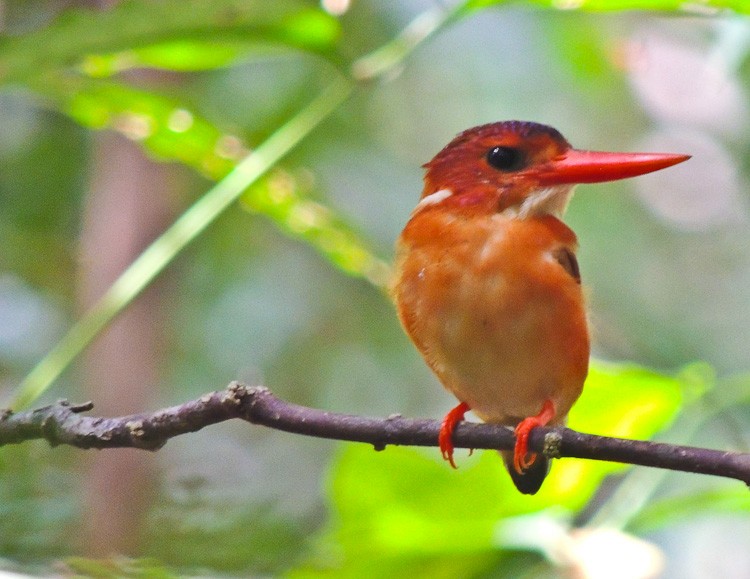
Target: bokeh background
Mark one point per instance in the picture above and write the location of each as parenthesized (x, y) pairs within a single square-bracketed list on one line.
[(116, 117)]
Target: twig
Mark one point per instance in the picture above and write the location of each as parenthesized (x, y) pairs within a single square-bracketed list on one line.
[(64, 423)]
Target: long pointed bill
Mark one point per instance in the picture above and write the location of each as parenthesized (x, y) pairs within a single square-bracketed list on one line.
[(595, 167)]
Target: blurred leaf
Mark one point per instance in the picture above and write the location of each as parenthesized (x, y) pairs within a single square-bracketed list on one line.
[(402, 506), (437, 566), (38, 502), (740, 6), (584, 49), (134, 24), (178, 55), (119, 567), (285, 198), (39, 208), (626, 401), (159, 123), (222, 535), (172, 132), (405, 503), (731, 499)]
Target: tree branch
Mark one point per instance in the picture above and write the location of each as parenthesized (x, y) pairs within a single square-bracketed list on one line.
[(64, 423)]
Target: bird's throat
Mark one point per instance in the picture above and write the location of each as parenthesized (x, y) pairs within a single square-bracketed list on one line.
[(545, 201), (538, 202)]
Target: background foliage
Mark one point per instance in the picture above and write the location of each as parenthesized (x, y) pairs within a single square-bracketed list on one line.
[(292, 136)]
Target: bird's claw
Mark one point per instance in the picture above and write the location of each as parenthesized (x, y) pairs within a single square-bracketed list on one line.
[(445, 437), (522, 458)]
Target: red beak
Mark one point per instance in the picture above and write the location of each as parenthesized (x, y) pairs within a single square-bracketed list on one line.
[(595, 167)]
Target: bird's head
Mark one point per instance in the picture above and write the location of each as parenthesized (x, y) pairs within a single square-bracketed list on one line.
[(523, 169)]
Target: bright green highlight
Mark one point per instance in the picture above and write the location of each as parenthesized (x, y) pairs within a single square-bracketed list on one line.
[(166, 129), (626, 401), (135, 24), (178, 55)]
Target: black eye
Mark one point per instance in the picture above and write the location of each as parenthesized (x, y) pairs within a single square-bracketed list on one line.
[(506, 158)]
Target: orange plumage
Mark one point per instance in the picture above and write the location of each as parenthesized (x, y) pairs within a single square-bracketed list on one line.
[(487, 283)]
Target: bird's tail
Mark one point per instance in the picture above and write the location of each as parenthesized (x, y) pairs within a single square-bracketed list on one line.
[(531, 480)]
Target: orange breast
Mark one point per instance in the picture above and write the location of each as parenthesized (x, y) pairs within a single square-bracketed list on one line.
[(492, 310)]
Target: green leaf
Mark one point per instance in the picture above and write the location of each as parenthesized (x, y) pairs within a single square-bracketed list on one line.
[(626, 401), (165, 128), (135, 24), (177, 55), (403, 507), (405, 503)]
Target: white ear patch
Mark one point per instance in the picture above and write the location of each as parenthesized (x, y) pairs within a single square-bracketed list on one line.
[(434, 198)]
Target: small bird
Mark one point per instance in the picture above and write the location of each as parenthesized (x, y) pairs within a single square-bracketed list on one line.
[(487, 284)]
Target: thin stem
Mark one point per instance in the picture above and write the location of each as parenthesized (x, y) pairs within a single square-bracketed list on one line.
[(385, 59), (164, 249)]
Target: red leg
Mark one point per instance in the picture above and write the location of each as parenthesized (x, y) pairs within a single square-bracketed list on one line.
[(522, 459), (445, 438)]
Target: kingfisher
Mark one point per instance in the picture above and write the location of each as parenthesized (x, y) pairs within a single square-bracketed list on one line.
[(487, 284)]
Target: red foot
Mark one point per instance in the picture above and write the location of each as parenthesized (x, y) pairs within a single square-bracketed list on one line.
[(522, 459), (445, 438)]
